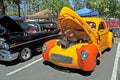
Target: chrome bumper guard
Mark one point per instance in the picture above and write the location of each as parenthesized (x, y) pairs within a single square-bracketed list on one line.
[(6, 55)]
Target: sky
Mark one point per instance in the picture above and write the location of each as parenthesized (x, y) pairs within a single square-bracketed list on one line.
[(71, 1)]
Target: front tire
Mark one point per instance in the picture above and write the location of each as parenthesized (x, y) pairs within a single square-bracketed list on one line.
[(25, 54), (95, 63)]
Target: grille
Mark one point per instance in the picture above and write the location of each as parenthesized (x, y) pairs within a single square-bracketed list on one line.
[(61, 58)]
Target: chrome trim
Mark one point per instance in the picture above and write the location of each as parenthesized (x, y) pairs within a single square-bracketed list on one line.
[(6, 55), (34, 40)]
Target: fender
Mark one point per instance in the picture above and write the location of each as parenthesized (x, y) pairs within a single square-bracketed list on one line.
[(110, 39), (49, 45), (89, 63)]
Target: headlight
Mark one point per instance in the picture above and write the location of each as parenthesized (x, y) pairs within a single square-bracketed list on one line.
[(3, 45), (84, 55), (44, 47)]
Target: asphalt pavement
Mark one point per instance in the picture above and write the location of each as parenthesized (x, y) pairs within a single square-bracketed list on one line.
[(35, 69), (118, 73)]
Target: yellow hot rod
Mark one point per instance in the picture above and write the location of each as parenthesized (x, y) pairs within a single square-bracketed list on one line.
[(84, 39)]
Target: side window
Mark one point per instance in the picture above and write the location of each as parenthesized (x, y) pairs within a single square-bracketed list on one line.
[(92, 25), (101, 26)]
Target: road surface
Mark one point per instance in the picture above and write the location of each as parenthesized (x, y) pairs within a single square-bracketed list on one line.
[(34, 69)]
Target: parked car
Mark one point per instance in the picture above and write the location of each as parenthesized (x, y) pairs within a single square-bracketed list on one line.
[(17, 43), (84, 40), (37, 26), (114, 25)]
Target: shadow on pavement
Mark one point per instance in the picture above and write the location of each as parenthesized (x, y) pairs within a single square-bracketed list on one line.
[(68, 70), (9, 63)]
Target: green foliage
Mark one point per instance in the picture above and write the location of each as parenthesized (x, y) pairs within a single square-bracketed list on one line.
[(12, 7), (55, 5), (2, 7), (35, 5), (77, 4), (107, 8)]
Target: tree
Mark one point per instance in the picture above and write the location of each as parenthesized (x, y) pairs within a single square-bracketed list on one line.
[(35, 5), (2, 7), (117, 12), (77, 4), (12, 7), (55, 6), (17, 2), (108, 8)]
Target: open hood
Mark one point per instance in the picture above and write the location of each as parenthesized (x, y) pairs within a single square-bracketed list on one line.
[(70, 20), (10, 24)]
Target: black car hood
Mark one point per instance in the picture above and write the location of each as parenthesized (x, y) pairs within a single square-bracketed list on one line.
[(10, 24)]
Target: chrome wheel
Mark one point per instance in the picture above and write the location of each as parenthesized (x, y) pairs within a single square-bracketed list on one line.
[(25, 54)]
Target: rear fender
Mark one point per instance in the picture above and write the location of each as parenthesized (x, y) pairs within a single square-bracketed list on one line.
[(110, 40)]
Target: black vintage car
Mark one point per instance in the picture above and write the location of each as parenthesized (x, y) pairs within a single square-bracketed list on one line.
[(17, 43), (36, 26)]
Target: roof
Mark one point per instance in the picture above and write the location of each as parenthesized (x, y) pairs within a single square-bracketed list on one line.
[(44, 14), (93, 19)]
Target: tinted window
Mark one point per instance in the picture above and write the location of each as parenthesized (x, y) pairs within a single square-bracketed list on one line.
[(101, 26)]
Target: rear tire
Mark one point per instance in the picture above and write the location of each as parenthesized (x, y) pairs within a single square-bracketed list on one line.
[(25, 54), (108, 49)]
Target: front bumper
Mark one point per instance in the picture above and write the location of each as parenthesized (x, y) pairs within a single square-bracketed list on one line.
[(64, 60), (6, 55)]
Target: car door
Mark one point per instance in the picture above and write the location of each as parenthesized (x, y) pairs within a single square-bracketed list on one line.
[(102, 36)]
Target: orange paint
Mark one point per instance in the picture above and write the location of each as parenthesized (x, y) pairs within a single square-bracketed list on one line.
[(49, 44), (89, 63), (95, 42)]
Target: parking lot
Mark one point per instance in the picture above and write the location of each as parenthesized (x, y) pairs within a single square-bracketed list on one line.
[(35, 69)]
